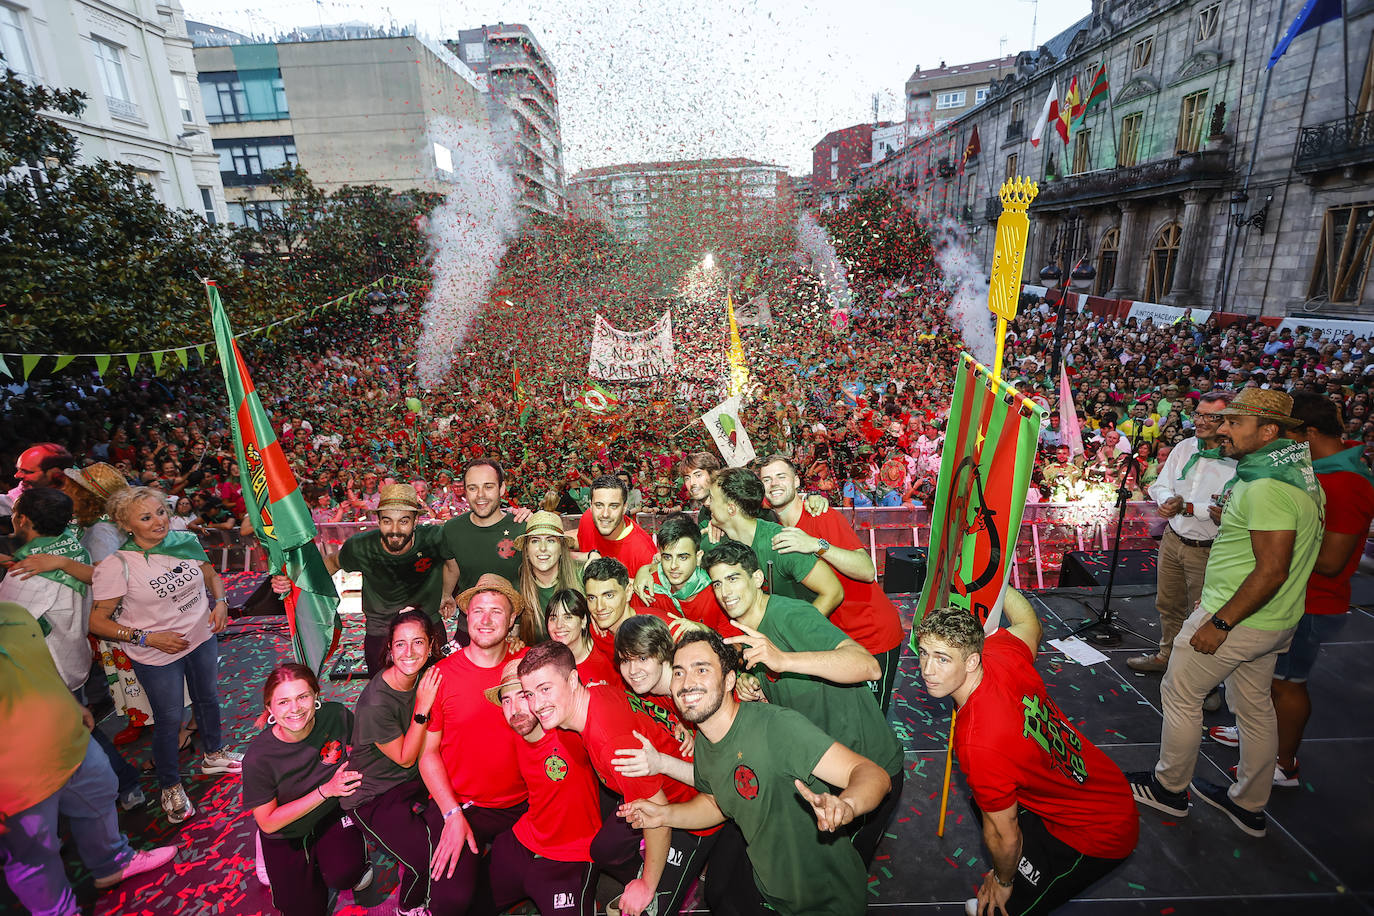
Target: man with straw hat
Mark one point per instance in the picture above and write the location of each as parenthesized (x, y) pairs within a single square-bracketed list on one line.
[(403, 565), (1252, 599)]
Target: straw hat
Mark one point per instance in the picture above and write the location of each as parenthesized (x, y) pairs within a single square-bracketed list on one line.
[(401, 496), (508, 679), (543, 523), (1267, 404), (491, 582), (100, 478)]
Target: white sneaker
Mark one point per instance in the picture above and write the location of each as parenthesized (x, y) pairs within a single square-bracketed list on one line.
[(176, 805), (971, 906), (221, 761), (261, 868), (1224, 734)]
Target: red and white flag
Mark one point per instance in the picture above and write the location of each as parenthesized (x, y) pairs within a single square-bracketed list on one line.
[(1051, 101), (1070, 433)]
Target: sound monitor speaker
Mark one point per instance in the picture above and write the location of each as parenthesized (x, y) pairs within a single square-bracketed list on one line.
[(905, 570)]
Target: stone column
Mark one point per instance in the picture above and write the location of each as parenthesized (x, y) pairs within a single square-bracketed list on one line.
[(1184, 291), (1129, 256)]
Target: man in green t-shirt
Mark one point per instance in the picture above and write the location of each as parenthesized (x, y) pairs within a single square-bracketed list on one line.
[(1252, 599), (482, 539), (403, 565), (753, 760), (736, 508), (804, 662)]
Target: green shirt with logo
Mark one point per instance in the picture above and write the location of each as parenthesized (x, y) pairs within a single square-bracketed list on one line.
[(395, 581)]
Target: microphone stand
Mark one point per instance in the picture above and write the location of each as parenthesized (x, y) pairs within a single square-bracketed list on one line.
[(1105, 628)]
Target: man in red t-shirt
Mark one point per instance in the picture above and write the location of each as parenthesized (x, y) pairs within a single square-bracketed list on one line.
[(605, 531), (1036, 784), (469, 761), (546, 857), (866, 614), (608, 724), (1349, 489), (676, 588), (644, 650)]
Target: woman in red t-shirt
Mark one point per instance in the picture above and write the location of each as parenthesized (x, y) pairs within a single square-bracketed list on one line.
[(568, 620)]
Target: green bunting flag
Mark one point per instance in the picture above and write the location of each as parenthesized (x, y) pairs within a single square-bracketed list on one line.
[(63, 362), (184, 356), (30, 363), (102, 362), (276, 507), (157, 360), (985, 469), (5, 367), (132, 360)]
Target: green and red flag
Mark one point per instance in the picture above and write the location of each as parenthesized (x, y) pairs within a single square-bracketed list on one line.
[(279, 514), (985, 469), (1097, 93), (522, 405), (596, 399)]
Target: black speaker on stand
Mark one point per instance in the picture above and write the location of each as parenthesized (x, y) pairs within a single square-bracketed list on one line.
[(905, 570)]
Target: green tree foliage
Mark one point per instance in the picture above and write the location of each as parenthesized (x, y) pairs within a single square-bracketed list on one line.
[(876, 235)]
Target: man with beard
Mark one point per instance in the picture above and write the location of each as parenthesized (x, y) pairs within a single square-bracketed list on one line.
[(403, 565), (753, 760), (866, 614), (607, 723), (470, 763), (546, 857), (805, 662), (605, 530), (41, 465), (483, 538)]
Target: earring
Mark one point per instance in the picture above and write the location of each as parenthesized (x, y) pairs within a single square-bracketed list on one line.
[(318, 702), (271, 719)]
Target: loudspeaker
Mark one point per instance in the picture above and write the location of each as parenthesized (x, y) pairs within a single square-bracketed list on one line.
[(905, 570), (1092, 568)]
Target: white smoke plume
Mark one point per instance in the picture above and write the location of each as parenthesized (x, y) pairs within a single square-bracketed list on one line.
[(812, 240), (468, 234), (967, 280)]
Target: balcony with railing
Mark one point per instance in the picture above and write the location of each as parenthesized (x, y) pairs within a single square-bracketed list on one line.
[(992, 208), (1144, 180), (1016, 130), (1336, 144)]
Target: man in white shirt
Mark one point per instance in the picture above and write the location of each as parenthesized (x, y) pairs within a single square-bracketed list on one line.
[(1188, 483)]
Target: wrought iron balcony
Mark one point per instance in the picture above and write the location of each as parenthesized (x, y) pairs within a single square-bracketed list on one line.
[(1336, 144), (1015, 130), (992, 208), (945, 167), (1160, 176)]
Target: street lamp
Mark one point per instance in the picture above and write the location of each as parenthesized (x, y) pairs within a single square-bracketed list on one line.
[(1239, 199)]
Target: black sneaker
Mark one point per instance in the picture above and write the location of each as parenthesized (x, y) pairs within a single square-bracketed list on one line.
[(1146, 790), (1252, 822)]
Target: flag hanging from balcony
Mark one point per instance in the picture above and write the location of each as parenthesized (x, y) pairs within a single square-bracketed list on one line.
[(1065, 113), (1097, 93), (1046, 113), (278, 512), (1313, 14), (974, 147), (985, 470)]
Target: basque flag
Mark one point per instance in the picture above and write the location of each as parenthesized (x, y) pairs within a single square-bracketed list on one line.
[(985, 470), (280, 517)]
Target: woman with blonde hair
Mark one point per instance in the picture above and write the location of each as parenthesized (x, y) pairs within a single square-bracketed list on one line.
[(546, 567), (155, 584)]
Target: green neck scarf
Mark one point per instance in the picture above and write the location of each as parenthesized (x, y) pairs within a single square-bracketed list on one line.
[(1285, 460), (1193, 459), (695, 583), (64, 545), (1349, 459), (182, 545)]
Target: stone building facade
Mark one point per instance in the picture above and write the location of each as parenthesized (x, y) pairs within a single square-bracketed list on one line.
[(1204, 180)]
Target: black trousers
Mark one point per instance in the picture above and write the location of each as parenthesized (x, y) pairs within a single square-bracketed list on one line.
[(867, 830), (515, 873), (1051, 872), (406, 823), (302, 872), (615, 850), (889, 661)]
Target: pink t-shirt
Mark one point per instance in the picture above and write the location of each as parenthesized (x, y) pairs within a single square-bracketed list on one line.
[(163, 594)]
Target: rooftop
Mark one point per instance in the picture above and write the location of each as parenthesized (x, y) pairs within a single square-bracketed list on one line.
[(974, 69)]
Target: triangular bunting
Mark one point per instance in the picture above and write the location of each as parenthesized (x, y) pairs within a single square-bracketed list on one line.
[(29, 361), (157, 360), (200, 348), (5, 367), (64, 361), (102, 362), (184, 354), (132, 360)]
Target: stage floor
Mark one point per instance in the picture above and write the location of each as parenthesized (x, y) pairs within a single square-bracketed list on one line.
[(1314, 858)]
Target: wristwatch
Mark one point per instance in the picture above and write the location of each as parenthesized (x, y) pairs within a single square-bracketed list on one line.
[(1222, 625), (822, 545), (421, 718)]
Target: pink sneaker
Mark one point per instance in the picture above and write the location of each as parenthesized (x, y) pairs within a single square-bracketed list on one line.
[(144, 860)]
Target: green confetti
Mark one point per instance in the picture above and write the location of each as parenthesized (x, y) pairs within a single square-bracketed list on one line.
[(1135, 887), (1236, 853), (1313, 876), (958, 852), (886, 873), (973, 860)]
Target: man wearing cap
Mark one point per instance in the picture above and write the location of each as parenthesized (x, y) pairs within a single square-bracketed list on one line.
[(483, 538), (1252, 600), (1192, 477), (546, 857), (469, 762), (403, 565)]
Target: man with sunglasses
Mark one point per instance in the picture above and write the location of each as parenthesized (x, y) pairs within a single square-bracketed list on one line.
[(1193, 475)]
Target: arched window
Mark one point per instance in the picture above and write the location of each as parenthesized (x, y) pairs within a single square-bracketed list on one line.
[(1107, 254), (1163, 256)]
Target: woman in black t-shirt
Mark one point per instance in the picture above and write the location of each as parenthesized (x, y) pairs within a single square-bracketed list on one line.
[(391, 804), (294, 773)]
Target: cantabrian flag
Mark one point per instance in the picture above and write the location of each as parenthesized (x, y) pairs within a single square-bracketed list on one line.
[(985, 469), (739, 369), (279, 514), (1097, 94)]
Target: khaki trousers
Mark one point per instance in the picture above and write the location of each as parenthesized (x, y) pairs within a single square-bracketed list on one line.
[(1178, 587), (1245, 661)]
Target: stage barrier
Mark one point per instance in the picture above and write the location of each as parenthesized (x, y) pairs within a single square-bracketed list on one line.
[(1048, 531)]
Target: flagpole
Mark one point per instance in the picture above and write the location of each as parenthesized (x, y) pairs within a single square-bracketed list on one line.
[(949, 767)]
